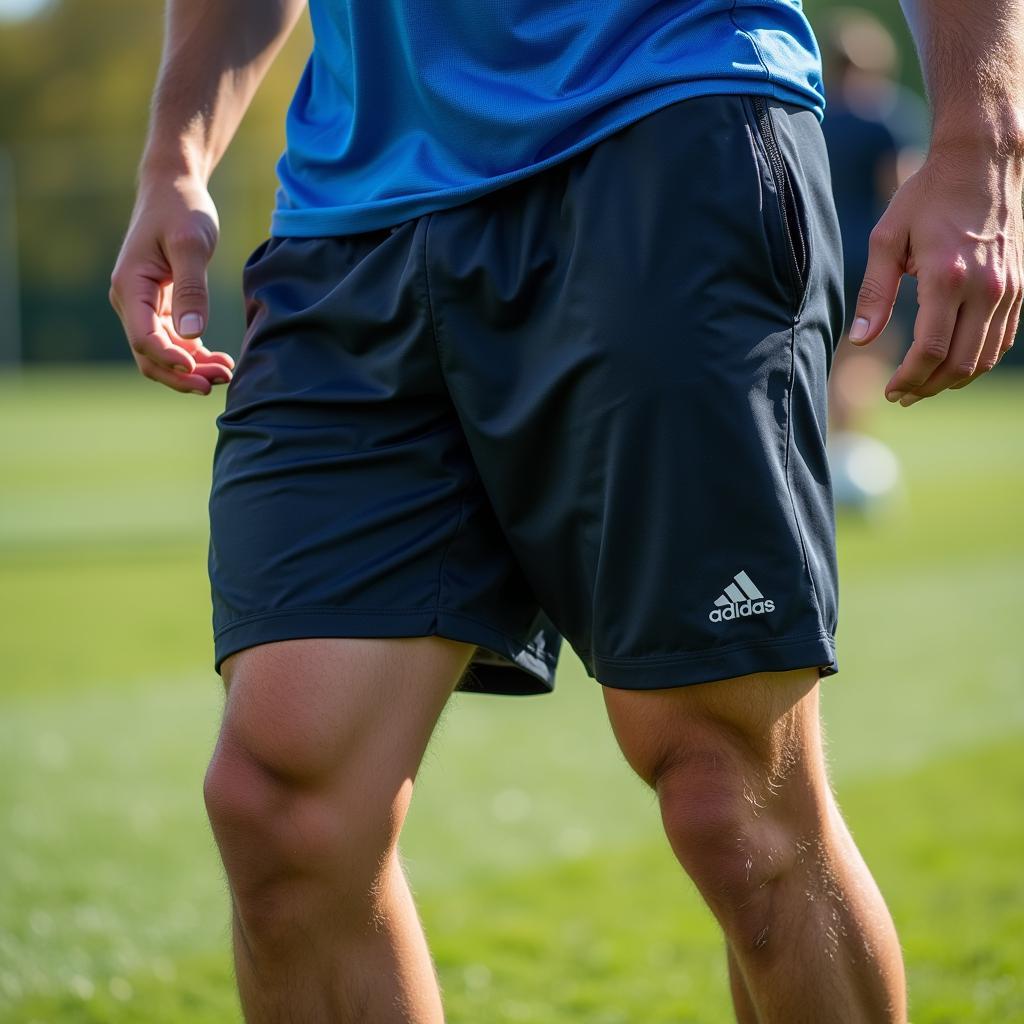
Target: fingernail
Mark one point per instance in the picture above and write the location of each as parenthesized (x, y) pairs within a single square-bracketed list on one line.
[(181, 367), (196, 391), (191, 323), (908, 400), (859, 329), (895, 396)]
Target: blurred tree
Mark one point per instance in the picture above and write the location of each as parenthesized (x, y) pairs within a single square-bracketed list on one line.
[(75, 82)]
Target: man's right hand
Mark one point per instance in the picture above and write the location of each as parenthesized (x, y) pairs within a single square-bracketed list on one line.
[(158, 285)]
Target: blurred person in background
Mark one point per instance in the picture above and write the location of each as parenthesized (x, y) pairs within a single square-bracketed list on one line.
[(876, 131), (597, 394)]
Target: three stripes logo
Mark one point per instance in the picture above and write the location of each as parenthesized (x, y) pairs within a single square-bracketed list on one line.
[(740, 600)]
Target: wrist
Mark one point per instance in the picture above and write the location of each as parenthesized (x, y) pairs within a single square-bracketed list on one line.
[(986, 134), (172, 161)]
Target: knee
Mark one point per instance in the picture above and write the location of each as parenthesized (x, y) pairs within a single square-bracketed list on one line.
[(294, 853), (738, 830), (268, 825), (299, 817)]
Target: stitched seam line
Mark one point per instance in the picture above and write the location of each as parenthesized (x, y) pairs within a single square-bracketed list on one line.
[(789, 483), (318, 610), (753, 45), (798, 290), (440, 370), (718, 651), (544, 656), (426, 286), (784, 192), (447, 548)]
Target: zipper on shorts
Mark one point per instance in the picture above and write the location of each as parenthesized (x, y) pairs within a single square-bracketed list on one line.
[(784, 191)]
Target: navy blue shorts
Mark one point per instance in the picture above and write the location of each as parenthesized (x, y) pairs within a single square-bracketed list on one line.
[(590, 404)]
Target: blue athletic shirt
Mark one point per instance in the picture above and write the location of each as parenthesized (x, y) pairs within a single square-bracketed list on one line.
[(408, 106)]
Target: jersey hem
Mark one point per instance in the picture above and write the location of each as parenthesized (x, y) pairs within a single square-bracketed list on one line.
[(317, 222)]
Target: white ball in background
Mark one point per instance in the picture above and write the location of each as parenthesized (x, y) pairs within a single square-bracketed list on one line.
[(865, 472)]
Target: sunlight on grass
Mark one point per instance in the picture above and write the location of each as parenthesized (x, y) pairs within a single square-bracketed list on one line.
[(546, 886)]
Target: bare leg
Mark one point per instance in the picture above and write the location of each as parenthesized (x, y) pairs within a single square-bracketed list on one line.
[(741, 1001), (857, 380), (307, 791), (740, 776)]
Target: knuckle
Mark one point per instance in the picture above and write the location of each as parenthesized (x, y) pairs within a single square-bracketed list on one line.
[(953, 274), (118, 283), (191, 288), (883, 238), (965, 370), (943, 277), (949, 275), (190, 240), (933, 348), (992, 285)]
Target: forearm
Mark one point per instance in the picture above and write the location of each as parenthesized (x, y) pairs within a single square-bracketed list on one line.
[(215, 54), (972, 55)]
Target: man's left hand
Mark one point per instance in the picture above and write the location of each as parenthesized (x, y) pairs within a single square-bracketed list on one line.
[(957, 226)]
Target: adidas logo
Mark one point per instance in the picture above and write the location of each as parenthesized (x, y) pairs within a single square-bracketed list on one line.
[(741, 599)]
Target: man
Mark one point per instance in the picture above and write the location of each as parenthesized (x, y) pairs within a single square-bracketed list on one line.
[(545, 322), (876, 133)]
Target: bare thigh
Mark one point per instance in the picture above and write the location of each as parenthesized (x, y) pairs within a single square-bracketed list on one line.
[(319, 746)]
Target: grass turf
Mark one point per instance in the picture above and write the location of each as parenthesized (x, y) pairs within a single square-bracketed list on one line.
[(545, 885)]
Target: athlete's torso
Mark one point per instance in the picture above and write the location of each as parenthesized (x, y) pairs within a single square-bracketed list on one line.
[(407, 106)]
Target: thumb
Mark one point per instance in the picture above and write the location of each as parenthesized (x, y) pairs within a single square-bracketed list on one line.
[(189, 255), (887, 252)]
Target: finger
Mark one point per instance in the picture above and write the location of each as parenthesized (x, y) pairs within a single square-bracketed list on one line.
[(887, 260), (199, 351), (933, 331), (215, 357), (136, 297), (972, 329), (992, 349), (188, 252), (213, 372), (1012, 326), (176, 381), (148, 338)]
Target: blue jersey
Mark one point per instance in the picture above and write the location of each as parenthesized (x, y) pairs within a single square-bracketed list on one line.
[(408, 106)]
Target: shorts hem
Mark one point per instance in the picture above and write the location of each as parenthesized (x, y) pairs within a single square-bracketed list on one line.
[(689, 668), (522, 669)]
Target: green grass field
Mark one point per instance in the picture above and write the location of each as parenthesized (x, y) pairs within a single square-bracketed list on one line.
[(547, 890)]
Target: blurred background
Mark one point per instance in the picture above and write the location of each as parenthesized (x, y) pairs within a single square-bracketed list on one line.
[(545, 884)]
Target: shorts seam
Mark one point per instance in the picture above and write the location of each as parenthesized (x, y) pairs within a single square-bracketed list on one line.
[(447, 548), (435, 611), (786, 472), (318, 610), (518, 644), (718, 651)]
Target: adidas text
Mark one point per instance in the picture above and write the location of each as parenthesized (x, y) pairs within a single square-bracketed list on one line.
[(741, 611)]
